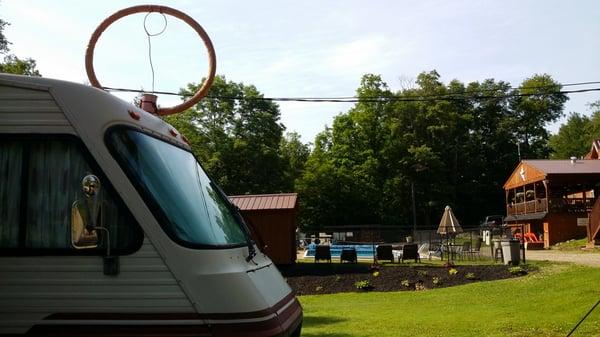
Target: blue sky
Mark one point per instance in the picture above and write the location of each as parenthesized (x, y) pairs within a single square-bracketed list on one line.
[(316, 48)]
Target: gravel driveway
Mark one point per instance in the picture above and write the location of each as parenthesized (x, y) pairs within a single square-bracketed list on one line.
[(587, 259)]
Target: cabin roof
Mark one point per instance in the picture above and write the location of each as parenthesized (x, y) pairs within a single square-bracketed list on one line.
[(594, 150), (258, 202), (530, 171), (579, 166)]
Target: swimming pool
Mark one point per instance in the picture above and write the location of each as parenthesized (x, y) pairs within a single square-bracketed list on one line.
[(362, 251)]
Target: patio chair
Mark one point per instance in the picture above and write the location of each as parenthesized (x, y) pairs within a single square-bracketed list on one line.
[(476, 250), (323, 252), (348, 255), (424, 251), (384, 252), (409, 252), (464, 250), (435, 249)]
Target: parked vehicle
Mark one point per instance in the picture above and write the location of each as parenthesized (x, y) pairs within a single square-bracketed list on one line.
[(109, 226)]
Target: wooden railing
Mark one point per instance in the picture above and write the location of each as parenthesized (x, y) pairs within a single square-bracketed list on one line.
[(594, 222), (533, 206)]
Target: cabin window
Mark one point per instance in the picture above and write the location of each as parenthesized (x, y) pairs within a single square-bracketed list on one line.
[(41, 180), (189, 206)]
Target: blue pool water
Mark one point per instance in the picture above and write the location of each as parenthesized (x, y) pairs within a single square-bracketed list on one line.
[(364, 251)]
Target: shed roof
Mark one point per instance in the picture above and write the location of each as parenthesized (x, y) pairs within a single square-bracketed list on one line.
[(265, 201)]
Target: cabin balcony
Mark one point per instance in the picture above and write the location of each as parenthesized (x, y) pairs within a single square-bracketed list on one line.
[(552, 205), (532, 206)]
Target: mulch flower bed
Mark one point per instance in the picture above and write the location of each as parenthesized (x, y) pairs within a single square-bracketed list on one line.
[(325, 278)]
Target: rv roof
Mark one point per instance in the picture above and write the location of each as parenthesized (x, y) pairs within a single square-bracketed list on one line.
[(90, 111)]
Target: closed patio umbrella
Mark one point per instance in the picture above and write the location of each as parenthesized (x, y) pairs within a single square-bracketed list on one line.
[(449, 226), (449, 223)]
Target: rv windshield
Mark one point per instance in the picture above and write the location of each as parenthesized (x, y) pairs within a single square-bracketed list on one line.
[(177, 190)]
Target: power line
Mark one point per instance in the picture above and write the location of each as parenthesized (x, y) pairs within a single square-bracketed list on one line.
[(451, 96)]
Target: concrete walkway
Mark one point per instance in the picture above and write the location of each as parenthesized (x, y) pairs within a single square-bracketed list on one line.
[(583, 258)]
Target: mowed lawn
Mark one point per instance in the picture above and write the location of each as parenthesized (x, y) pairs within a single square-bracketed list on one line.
[(545, 303)]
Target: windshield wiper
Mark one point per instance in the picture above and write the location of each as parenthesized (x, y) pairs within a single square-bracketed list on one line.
[(251, 249)]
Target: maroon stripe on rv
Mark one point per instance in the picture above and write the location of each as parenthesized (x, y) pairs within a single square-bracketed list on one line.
[(285, 323), (122, 316), (269, 328), (172, 316), (252, 314), (120, 330), (291, 315)]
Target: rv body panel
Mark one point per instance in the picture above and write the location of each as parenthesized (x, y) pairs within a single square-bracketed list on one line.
[(34, 288)]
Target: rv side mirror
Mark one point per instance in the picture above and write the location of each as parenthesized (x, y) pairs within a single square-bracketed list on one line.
[(84, 215), (82, 236)]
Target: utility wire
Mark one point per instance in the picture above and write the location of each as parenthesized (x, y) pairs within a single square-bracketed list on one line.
[(354, 99), (583, 319)]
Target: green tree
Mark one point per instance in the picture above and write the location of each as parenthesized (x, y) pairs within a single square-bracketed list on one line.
[(237, 137), (572, 138), (543, 103), (3, 42), (592, 130), (455, 143), (294, 154), (12, 64), (15, 65)]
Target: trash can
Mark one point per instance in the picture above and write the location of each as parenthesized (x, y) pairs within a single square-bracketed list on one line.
[(511, 251)]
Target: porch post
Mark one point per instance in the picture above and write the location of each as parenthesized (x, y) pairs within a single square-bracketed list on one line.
[(535, 198), (506, 201), (546, 183)]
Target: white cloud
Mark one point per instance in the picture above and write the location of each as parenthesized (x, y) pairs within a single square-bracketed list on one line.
[(363, 53)]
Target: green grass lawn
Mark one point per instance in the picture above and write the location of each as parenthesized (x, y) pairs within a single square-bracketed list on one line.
[(574, 246), (548, 302)]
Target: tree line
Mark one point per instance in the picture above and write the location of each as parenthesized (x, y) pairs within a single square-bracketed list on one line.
[(453, 144)]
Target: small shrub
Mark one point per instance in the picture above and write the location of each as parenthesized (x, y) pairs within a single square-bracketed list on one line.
[(422, 273), (405, 283), (437, 281), (363, 285), (449, 264), (452, 271), (318, 288), (419, 285), (517, 270), (470, 276), (375, 273)]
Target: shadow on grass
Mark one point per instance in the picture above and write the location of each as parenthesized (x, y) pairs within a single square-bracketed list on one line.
[(320, 320), (304, 334), (315, 321)]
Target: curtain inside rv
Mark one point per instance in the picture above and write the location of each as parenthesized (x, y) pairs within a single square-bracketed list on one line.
[(11, 159), (54, 183)]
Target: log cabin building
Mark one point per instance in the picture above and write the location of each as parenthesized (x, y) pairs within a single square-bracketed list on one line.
[(552, 201)]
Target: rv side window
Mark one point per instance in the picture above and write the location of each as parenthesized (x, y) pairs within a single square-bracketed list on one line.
[(41, 180)]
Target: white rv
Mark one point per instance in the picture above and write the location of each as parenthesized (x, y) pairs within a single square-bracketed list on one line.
[(109, 226)]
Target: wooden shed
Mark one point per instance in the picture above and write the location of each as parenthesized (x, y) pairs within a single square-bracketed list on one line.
[(273, 220)]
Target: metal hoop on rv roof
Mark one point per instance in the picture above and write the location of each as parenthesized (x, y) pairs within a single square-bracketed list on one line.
[(212, 60)]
